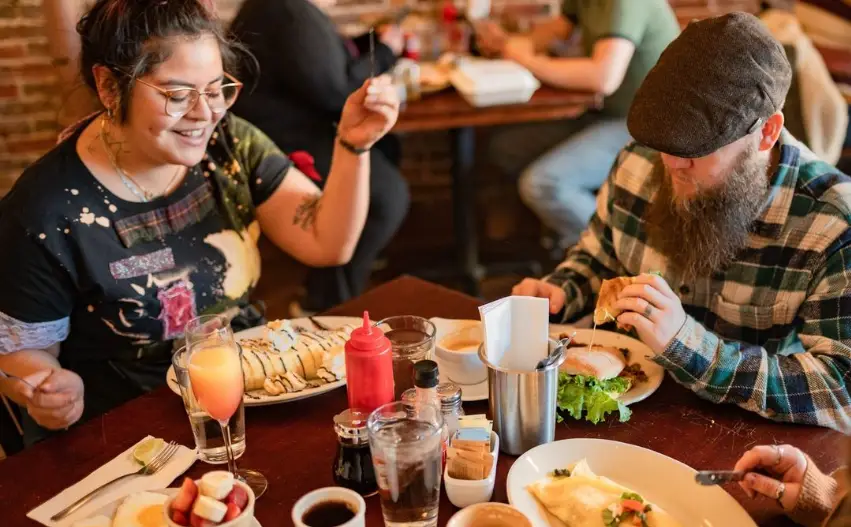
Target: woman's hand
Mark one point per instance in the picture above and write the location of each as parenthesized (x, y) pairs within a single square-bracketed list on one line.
[(369, 113), (786, 466), (391, 36), (57, 401), (518, 49), (490, 37)]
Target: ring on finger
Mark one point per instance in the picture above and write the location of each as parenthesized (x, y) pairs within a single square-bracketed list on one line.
[(779, 450), (781, 491), (648, 310)]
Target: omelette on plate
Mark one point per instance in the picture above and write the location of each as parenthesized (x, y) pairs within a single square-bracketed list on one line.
[(580, 498)]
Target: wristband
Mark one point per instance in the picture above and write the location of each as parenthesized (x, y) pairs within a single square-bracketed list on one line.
[(352, 148)]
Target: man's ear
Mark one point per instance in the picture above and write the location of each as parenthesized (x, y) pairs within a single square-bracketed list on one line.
[(107, 87), (770, 131)]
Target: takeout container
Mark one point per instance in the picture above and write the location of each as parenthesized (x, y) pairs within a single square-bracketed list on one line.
[(483, 82), (246, 519), (463, 493), (462, 366), (523, 403)]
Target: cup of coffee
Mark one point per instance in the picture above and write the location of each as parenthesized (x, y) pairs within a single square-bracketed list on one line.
[(330, 507), (489, 515), (459, 358)]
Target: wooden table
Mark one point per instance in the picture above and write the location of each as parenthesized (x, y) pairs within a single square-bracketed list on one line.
[(447, 110), (294, 444)]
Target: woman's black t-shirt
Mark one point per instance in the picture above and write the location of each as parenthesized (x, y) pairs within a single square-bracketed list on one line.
[(116, 281)]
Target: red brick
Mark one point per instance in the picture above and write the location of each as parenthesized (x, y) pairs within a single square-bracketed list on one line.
[(21, 32), (12, 51), (30, 145), (8, 91), (27, 71)]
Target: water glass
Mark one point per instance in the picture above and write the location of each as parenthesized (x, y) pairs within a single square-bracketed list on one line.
[(207, 432), (407, 452), (412, 340)]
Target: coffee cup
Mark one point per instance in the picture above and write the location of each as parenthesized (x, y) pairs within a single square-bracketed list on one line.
[(459, 358), (326, 504), (489, 515)]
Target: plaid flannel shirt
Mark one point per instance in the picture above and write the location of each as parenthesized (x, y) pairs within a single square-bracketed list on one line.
[(772, 331)]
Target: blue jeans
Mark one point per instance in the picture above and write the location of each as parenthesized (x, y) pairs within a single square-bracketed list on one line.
[(561, 166)]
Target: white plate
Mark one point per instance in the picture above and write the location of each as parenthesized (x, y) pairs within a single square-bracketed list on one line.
[(659, 479), (261, 399), (444, 326), (638, 353), (109, 509)]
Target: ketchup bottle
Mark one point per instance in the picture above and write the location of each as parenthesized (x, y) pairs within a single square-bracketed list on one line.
[(369, 368)]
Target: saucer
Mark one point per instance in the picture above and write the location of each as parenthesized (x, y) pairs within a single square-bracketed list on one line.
[(469, 392)]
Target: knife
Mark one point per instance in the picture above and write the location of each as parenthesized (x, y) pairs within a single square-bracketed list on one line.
[(718, 477)]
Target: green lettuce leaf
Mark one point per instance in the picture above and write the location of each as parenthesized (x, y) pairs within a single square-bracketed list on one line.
[(578, 395)]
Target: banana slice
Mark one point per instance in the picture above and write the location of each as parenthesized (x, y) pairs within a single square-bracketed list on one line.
[(210, 509)]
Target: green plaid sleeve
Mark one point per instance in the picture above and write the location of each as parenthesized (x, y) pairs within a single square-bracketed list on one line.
[(593, 259), (803, 381)]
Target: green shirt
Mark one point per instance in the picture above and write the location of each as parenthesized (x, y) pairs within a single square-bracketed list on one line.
[(649, 24)]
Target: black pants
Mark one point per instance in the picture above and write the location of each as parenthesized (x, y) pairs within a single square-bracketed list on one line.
[(389, 200)]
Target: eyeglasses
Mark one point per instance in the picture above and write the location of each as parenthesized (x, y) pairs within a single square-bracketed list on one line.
[(180, 101)]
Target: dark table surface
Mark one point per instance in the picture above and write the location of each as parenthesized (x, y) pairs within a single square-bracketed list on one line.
[(294, 444)]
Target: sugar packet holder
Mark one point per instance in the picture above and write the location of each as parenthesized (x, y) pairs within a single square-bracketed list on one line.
[(463, 493)]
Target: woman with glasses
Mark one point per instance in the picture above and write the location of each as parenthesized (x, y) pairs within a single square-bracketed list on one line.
[(147, 215)]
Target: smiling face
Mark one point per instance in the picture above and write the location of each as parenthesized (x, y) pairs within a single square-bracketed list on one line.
[(162, 139)]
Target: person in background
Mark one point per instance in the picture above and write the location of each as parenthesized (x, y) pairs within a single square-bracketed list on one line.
[(807, 495), (147, 215), (562, 163), (307, 70), (749, 230)]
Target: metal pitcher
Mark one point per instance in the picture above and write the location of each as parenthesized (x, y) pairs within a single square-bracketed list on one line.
[(523, 403)]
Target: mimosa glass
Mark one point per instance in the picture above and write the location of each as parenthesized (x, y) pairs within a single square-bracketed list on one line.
[(215, 374)]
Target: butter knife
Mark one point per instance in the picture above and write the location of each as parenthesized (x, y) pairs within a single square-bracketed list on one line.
[(718, 477)]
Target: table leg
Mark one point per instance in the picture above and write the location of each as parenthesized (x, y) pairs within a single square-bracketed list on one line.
[(464, 208)]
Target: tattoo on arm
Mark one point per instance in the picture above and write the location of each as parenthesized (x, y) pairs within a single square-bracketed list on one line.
[(305, 214)]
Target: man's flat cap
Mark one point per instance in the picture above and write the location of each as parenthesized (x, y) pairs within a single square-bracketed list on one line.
[(717, 82)]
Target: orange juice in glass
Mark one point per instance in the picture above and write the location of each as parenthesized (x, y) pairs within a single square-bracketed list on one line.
[(216, 378)]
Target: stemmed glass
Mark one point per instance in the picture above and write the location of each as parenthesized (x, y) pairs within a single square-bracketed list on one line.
[(215, 373)]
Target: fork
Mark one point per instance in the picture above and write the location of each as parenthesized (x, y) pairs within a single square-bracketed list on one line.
[(154, 466), (718, 477)]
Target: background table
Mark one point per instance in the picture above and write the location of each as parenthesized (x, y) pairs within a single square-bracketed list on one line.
[(294, 444), (447, 110)]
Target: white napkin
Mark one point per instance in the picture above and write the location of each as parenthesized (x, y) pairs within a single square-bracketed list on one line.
[(516, 331), (121, 464)]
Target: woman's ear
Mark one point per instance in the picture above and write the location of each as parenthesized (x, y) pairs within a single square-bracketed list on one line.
[(107, 87)]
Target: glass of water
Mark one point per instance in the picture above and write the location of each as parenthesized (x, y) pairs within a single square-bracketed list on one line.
[(407, 453), (207, 431)]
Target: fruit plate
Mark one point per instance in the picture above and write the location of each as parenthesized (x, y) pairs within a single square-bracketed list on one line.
[(660, 479), (257, 398), (638, 353), (109, 509)]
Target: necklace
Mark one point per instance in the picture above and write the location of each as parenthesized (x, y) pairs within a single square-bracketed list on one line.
[(135, 188)]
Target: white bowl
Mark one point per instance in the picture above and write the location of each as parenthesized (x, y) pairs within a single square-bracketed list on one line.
[(463, 493), (462, 366), (491, 514), (306, 502), (246, 519)]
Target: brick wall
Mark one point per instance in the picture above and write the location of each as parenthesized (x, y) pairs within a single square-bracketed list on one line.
[(28, 87)]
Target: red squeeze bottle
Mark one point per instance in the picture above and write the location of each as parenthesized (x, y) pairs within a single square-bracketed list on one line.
[(369, 368)]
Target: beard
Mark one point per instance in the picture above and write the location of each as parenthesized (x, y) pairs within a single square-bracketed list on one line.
[(701, 235)]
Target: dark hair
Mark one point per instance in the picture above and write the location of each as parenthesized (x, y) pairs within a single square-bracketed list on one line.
[(132, 37)]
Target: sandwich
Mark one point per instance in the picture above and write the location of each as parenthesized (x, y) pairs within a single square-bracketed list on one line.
[(578, 497), (592, 379), (605, 311)]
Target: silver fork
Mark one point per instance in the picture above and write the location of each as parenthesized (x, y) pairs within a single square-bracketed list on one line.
[(155, 465)]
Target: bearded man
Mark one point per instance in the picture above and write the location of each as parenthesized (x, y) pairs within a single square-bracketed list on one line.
[(750, 232)]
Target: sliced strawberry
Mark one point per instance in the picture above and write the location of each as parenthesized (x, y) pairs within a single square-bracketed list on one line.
[(232, 513), (197, 521), (180, 518), (238, 496), (632, 505), (185, 496)]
